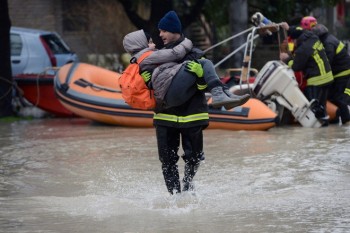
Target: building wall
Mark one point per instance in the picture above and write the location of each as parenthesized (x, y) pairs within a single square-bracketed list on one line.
[(108, 23), (32, 13)]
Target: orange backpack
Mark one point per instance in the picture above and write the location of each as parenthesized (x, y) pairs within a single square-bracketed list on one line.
[(134, 89)]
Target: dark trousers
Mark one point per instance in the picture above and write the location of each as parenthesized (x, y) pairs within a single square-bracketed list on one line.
[(319, 93), (341, 99), (168, 140)]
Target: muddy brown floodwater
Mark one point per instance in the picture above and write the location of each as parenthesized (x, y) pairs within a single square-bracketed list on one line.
[(69, 175)]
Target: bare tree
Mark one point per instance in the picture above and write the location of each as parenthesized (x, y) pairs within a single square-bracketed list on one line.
[(188, 12), (5, 61)]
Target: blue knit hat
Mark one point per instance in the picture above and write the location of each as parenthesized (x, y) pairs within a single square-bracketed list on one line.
[(170, 23)]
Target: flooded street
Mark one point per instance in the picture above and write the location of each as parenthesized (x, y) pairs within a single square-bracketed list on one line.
[(69, 175)]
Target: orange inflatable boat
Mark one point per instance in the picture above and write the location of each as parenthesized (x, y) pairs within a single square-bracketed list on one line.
[(93, 92)]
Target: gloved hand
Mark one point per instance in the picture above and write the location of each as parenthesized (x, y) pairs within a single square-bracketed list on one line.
[(146, 75), (257, 18), (195, 67)]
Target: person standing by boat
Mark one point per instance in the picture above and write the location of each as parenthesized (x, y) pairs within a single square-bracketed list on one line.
[(339, 59), (310, 58)]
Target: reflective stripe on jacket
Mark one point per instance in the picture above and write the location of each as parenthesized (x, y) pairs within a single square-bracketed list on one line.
[(320, 80), (190, 114), (181, 119), (310, 57), (337, 54)]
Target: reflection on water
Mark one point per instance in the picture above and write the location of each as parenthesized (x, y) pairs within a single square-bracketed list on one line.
[(68, 175)]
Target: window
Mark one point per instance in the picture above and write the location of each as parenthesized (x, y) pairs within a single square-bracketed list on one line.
[(55, 44), (16, 44), (75, 15)]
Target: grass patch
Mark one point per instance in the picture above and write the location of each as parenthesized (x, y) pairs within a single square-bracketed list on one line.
[(11, 119)]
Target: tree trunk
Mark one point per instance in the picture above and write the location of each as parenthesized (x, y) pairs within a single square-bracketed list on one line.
[(5, 62), (238, 19)]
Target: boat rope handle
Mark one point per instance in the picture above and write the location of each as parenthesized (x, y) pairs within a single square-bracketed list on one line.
[(84, 83), (42, 74), (10, 88)]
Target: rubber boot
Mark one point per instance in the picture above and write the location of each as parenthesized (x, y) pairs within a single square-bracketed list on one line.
[(244, 98), (172, 179), (190, 172), (228, 100)]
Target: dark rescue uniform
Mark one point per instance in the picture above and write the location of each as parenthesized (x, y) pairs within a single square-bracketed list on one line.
[(339, 59), (186, 123), (310, 58)]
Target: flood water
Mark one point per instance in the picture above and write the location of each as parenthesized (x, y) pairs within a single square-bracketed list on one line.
[(70, 175)]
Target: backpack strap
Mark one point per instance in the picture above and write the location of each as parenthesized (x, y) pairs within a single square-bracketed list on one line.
[(143, 56)]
